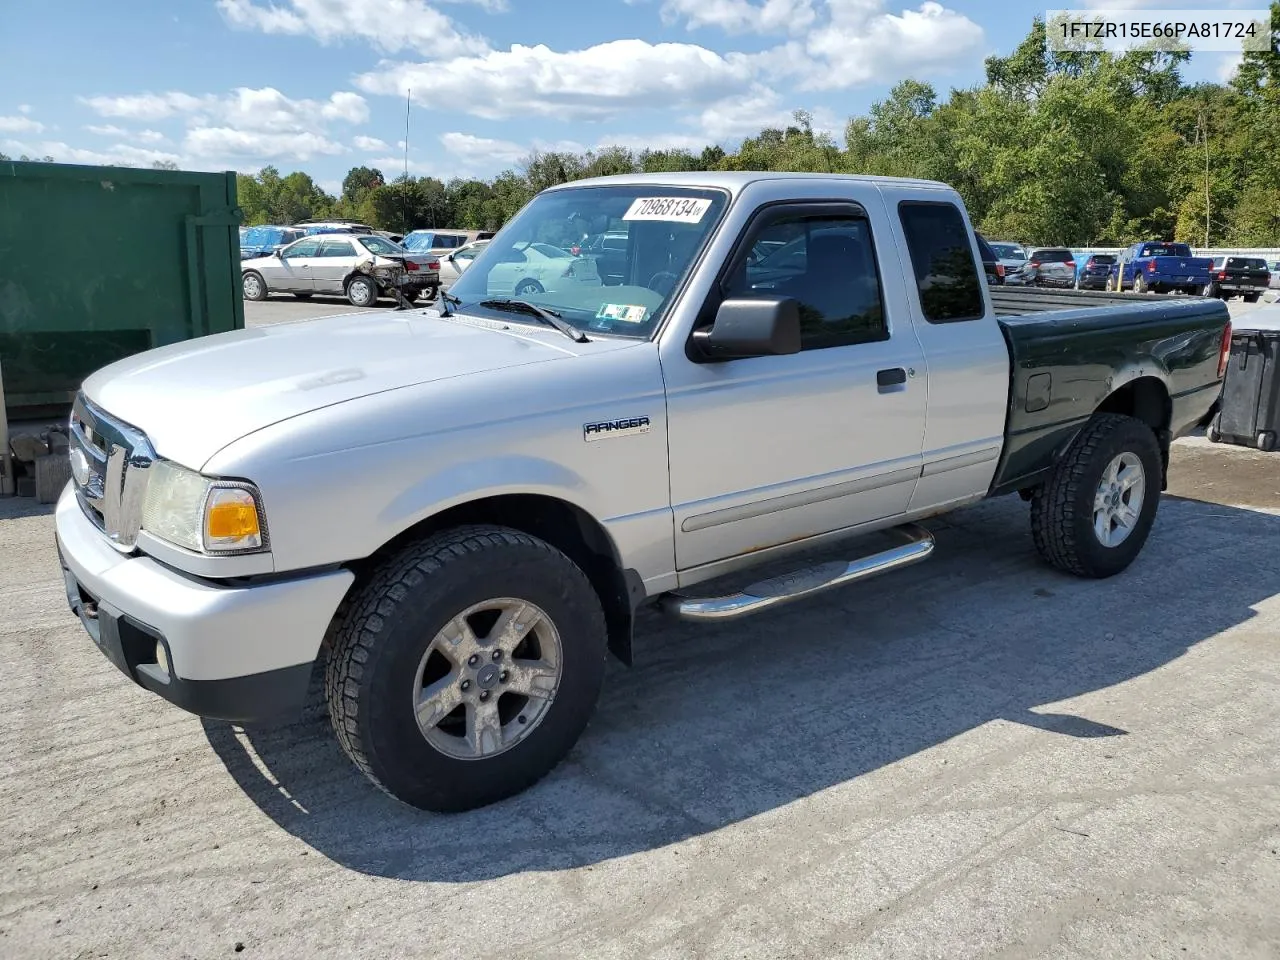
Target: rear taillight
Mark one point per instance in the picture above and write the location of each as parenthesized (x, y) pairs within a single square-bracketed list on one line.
[(1225, 354)]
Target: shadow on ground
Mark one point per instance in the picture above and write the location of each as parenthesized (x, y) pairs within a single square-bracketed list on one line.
[(719, 724)]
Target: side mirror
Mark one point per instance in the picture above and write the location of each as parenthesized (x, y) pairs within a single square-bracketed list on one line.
[(752, 327)]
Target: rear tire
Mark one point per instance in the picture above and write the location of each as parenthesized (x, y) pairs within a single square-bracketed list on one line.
[(377, 681), (1067, 523), (362, 291)]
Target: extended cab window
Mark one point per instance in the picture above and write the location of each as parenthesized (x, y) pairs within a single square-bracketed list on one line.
[(949, 282), (828, 265)]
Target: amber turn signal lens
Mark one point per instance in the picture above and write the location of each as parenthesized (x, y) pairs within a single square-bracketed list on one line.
[(231, 519)]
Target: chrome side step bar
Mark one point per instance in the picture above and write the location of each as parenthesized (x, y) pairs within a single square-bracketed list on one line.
[(806, 582)]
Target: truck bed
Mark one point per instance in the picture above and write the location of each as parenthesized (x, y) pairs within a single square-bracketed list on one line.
[(1067, 360)]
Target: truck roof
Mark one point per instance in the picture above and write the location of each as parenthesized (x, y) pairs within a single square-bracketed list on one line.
[(734, 181)]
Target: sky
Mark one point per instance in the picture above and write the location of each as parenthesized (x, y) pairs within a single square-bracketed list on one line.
[(321, 85)]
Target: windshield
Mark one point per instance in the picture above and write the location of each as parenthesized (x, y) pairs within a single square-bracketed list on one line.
[(382, 246), (542, 256), (1009, 251)]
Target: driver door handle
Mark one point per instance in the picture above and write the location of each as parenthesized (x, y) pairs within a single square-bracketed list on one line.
[(893, 377)]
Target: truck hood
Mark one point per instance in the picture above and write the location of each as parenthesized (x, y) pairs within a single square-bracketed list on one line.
[(194, 398)]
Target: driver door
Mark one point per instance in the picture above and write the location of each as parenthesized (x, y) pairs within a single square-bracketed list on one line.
[(292, 272)]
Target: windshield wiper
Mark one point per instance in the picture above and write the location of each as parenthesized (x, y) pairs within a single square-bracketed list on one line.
[(549, 317)]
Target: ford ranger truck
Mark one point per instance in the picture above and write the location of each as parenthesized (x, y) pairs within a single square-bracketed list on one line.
[(1157, 267), (457, 511)]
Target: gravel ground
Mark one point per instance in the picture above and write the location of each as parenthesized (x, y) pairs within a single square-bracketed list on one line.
[(975, 757)]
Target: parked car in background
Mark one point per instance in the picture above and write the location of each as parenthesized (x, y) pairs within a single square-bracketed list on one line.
[(315, 227), (438, 241), (532, 268), (264, 240), (1160, 267), (1013, 257), (1244, 277), (452, 264), (1052, 267), (609, 251), (991, 264), (359, 266), (1093, 271)]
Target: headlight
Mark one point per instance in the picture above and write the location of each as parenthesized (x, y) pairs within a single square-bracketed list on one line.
[(204, 515)]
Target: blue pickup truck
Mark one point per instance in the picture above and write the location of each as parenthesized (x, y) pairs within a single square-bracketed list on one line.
[(1158, 267)]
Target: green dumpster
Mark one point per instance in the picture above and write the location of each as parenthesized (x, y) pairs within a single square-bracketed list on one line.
[(98, 263)]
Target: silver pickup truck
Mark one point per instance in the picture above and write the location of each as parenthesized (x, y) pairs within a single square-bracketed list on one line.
[(458, 510)]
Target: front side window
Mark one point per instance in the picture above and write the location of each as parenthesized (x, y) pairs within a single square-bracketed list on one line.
[(827, 264), (946, 275), (539, 256)]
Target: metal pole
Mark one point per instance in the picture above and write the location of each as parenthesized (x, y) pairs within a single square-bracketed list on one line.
[(7, 483), (1205, 121)]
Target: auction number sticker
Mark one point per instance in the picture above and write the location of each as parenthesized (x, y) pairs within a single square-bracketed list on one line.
[(671, 209)]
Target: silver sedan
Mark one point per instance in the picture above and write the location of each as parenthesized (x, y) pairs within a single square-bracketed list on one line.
[(358, 266)]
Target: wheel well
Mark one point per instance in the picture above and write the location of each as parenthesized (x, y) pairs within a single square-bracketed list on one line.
[(561, 524), (1145, 399)]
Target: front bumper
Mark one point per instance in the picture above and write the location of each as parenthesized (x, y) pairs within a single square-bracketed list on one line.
[(241, 653)]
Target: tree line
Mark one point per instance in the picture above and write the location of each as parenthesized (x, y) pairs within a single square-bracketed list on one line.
[(1078, 149)]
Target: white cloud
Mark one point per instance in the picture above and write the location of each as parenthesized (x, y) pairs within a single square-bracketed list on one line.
[(370, 144), (145, 106), (389, 25), (1228, 66), (20, 125), (483, 149), (861, 43), (593, 83), (256, 109), (300, 145), (742, 16), (119, 154)]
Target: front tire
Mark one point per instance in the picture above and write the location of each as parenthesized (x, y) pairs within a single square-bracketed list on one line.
[(253, 286), (1092, 517), (466, 668), (362, 291)]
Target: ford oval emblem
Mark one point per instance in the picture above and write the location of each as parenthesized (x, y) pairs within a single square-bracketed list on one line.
[(80, 467)]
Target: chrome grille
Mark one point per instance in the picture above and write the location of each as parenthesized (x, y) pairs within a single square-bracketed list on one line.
[(109, 466)]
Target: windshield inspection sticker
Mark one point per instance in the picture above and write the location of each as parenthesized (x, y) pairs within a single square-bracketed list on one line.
[(671, 209), (622, 312)]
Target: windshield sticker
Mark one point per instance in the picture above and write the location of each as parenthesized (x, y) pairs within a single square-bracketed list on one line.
[(622, 312), (671, 209)]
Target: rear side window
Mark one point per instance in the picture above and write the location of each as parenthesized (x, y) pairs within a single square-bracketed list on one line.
[(949, 282)]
